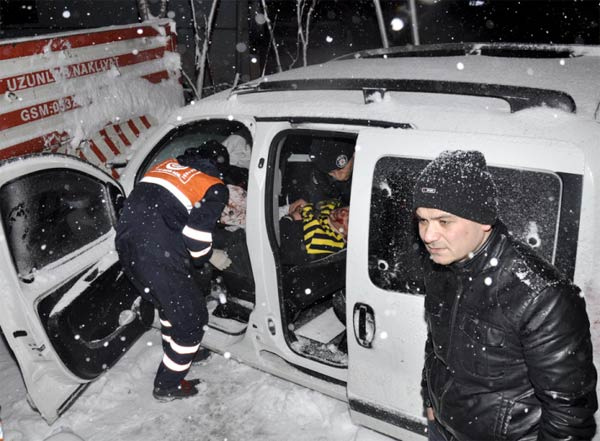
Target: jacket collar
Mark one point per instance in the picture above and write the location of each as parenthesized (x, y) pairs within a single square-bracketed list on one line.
[(487, 256)]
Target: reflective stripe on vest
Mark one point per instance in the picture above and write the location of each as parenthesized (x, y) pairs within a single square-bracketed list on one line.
[(187, 184)]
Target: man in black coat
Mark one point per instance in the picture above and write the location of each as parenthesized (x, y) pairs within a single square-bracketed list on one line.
[(330, 177), (508, 353), (165, 230), (333, 161)]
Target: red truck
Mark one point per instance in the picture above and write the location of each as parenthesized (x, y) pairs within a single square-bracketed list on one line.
[(89, 93)]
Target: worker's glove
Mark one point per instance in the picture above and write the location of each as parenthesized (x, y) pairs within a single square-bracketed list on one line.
[(220, 259)]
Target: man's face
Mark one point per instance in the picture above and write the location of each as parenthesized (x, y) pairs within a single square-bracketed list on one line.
[(343, 174), (449, 238)]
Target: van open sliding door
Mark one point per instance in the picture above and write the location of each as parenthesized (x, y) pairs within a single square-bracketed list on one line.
[(385, 292)]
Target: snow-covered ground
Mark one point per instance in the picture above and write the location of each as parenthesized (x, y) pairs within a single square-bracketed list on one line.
[(238, 403)]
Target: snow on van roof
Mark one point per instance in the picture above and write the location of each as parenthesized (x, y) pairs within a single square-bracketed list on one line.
[(523, 50), (569, 69)]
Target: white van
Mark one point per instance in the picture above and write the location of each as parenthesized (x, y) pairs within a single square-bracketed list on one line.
[(532, 110)]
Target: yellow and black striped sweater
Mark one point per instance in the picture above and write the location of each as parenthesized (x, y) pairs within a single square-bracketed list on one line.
[(319, 236)]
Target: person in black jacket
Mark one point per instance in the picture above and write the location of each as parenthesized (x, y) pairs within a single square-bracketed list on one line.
[(333, 161), (508, 354), (164, 231), (331, 175)]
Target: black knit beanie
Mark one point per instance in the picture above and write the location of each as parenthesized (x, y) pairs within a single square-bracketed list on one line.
[(459, 183)]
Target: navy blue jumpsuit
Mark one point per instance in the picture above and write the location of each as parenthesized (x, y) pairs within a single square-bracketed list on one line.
[(165, 229)]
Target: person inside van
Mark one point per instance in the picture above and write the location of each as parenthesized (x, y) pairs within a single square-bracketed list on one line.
[(316, 232), (331, 174), (508, 352), (333, 161)]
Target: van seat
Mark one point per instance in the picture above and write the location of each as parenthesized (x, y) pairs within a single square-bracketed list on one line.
[(313, 282)]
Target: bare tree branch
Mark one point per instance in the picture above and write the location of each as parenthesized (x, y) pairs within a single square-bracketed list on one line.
[(264, 69), (300, 33), (190, 82), (293, 57), (311, 10), (303, 21), (202, 56), (196, 39), (144, 10), (272, 34), (163, 9)]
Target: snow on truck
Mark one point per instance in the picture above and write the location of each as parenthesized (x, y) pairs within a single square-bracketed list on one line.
[(88, 93), (532, 110)]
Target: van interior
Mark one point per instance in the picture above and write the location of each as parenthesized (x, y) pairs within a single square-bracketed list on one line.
[(312, 287)]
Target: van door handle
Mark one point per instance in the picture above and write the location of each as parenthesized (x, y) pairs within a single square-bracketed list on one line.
[(364, 324)]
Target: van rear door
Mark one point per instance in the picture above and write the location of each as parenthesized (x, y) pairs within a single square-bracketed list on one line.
[(385, 293)]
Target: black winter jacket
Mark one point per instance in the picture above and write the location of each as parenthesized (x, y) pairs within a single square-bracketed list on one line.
[(155, 219), (321, 186), (508, 354)]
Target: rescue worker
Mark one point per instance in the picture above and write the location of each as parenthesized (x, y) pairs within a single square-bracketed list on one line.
[(164, 232), (508, 353)]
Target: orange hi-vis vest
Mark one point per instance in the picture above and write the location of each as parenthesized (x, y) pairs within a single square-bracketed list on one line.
[(187, 184)]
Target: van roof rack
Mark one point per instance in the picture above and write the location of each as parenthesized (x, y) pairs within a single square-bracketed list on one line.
[(517, 97), (513, 50)]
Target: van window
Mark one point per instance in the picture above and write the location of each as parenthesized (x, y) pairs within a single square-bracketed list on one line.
[(233, 134), (529, 204), (49, 214)]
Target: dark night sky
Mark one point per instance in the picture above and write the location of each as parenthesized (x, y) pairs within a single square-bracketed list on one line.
[(355, 28), (556, 21), (338, 26)]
